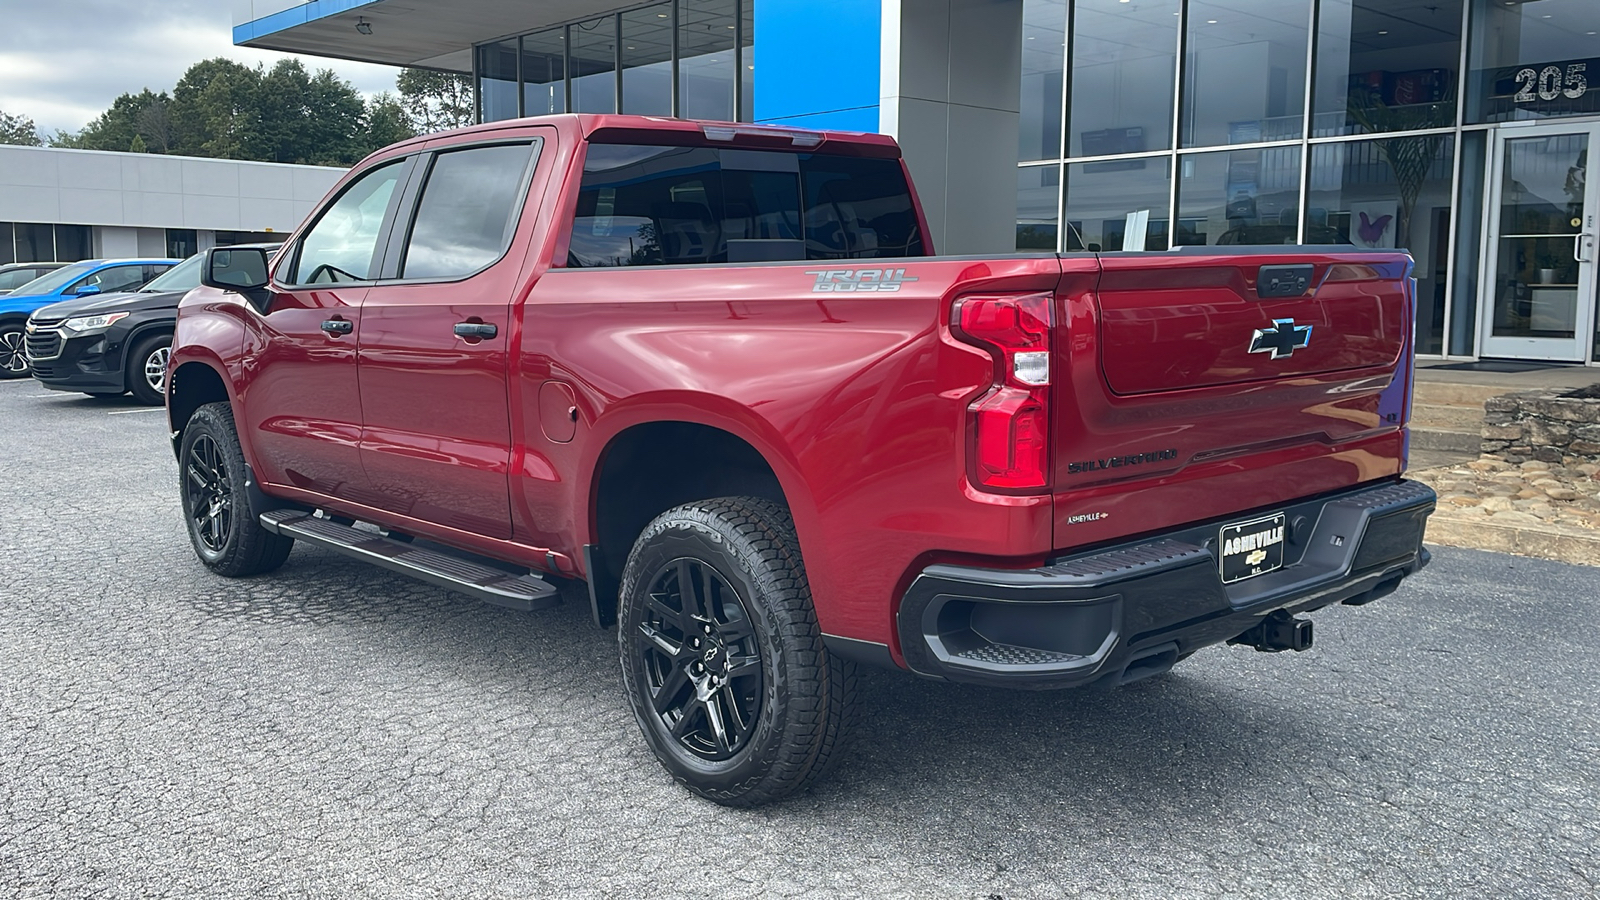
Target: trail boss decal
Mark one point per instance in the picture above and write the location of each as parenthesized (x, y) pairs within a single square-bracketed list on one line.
[(1251, 548), (859, 281)]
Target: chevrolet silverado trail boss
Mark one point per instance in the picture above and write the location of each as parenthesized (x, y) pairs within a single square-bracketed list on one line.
[(715, 373)]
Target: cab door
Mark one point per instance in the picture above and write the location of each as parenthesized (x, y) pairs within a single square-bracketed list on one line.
[(301, 400), (433, 363)]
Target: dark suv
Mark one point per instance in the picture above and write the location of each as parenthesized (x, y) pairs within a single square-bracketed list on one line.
[(108, 344)]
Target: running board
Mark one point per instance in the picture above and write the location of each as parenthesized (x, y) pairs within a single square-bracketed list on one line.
[(481, 582)]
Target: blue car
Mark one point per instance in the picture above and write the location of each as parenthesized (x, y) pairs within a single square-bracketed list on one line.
[(80, 279)]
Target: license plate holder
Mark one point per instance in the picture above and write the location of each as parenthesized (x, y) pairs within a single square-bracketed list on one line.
[(1250, 548)]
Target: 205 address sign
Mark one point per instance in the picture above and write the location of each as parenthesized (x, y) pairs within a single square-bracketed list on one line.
[(1552, 82)]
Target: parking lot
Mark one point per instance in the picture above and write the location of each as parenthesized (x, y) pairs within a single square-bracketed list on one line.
[(332, 730)]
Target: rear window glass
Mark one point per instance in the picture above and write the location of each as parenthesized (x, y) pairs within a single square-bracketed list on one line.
[(468, 210), (646, 205)]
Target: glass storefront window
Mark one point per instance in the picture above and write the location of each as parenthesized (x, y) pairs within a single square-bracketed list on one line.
[(36, 243), (1239, 197), (706, 32), (8, 252), (497, 81), (1385, 67), (1122, 64), (182, 243), (1104, 198), (1044, 38), (1245, 71), (647, 61), (1533, 60), (544, 73), (73, 242), (1038, 192), (1392, 193), (593, 58)]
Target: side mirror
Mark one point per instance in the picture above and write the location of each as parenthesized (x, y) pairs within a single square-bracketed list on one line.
[(240, 270), (86, 290)]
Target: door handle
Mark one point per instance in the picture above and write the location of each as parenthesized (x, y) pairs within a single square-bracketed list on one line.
[(476, 330), (1579, 241), (336, 327)]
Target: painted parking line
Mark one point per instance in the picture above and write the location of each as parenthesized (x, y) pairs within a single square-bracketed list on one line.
[(129, 412)]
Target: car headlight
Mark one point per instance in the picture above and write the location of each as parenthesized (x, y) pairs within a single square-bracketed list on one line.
[(83, 324)]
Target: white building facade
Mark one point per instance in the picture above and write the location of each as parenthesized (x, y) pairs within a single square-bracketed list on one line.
[(66, 205)]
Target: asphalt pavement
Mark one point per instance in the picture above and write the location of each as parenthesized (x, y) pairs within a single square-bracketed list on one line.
[(332, 730)]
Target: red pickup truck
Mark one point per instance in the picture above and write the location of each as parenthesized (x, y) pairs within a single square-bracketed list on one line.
[(715, 373)]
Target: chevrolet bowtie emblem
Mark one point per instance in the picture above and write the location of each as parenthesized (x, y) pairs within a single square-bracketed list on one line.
[(1282, 339)]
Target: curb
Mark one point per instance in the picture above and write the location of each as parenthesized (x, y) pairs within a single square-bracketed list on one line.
[(1566, 545)]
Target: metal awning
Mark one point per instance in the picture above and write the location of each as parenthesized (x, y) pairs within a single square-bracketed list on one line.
[(435, 34)]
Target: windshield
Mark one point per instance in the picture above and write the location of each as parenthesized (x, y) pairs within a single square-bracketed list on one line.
[(184, 276), (55, 281)]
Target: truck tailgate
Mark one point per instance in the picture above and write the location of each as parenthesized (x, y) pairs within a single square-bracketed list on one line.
[(1186, 395)]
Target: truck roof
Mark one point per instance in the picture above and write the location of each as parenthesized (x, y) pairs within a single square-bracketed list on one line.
[(601, 128)]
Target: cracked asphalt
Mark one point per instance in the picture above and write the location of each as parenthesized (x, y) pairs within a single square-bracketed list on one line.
[(332, 730)]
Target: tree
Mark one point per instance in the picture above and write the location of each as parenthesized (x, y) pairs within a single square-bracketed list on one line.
[(18, 129), (435, 101), (387, 122), (142, 116), (212, 108)]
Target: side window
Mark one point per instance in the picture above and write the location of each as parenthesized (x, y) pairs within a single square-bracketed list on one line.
[(112, 279), (641, 205), (469, 208), (343, 245), (16, 278)]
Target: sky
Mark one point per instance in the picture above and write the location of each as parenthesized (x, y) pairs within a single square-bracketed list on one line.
[(62, 62)]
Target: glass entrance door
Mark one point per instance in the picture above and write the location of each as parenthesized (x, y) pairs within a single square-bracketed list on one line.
[(1540, 257)]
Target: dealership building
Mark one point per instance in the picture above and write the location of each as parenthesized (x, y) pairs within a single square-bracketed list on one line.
[(66, 205), (1458, 129)]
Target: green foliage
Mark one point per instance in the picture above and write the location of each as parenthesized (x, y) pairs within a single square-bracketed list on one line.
[(387, 122), (142, 116), (18, 130), (226, 110), (435, 101)]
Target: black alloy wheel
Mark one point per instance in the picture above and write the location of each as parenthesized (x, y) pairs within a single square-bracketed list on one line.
[(13, 358), (210, 494), (722, 656), (701, 662), (218, 506)]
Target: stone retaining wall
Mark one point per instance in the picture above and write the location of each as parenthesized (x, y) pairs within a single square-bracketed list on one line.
[(1551, 426)]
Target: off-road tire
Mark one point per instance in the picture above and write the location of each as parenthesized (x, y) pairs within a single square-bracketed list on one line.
[(211, 465), (806, 711)]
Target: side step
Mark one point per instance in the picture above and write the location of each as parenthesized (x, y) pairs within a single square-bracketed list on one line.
[(519, 592)]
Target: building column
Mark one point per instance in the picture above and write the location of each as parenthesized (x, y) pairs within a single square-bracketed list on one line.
[(112, 242), (950, 94)]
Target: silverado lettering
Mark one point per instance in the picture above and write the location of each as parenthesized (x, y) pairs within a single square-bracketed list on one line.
[(565, 358), (1115, 462)]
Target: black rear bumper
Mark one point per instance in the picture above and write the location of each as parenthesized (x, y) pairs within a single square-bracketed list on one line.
[(1120, 613)]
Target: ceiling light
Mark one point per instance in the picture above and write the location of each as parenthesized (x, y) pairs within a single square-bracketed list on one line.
[(1211, 21), (1383, 32), (363, 26)]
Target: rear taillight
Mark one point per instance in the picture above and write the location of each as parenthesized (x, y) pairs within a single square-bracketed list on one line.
[(1011, 423)]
